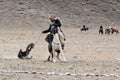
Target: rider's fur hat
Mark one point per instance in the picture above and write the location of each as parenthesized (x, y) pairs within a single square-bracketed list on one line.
[(53, 17)]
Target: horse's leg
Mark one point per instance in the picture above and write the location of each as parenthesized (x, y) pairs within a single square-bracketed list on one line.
[(53, 56), (117, 31), (58, 54), (112, 31), (50, 51), (62, 40), (64, 59), (108, 32), (102, 31), (49, 58), (63, 46)]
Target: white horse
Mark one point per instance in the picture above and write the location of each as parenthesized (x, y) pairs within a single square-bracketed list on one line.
[(56, 43)]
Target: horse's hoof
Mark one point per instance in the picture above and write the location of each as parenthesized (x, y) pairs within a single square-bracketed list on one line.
[(47, 61), (64, 61), (54, 61)]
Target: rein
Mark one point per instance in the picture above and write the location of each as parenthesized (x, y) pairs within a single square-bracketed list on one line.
[(36, 41)]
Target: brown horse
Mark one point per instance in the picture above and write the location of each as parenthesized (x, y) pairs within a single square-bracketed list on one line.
[(114, 30), (108, 31), (111, 31)]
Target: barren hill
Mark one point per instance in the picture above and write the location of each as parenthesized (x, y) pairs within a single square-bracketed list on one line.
[(32, 14)]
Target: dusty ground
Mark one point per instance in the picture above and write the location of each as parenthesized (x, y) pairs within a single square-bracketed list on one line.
[(90, 56)]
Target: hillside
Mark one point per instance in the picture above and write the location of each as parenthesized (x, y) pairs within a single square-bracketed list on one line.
[(32, 14)]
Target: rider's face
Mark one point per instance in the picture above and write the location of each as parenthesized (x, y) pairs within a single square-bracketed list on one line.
[(52, 20)]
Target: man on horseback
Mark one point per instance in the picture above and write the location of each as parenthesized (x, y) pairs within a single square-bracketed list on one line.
[(54, 28), (56, 23)]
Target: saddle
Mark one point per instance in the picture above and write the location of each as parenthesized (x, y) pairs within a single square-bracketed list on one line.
[(49, 38)]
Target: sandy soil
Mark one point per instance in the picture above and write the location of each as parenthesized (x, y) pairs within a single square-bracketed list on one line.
[(90, 56)]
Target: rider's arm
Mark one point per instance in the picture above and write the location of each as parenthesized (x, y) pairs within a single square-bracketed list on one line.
[(46, 31)]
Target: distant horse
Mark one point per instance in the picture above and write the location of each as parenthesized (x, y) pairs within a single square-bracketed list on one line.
[(101, 30), (111, 31), (24, 54), (55, 45), (108, 31), (84, 28), (114, 31)]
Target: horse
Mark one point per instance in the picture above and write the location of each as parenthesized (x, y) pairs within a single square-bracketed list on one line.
[(108, 31), (101, 30), (111, 31), (84, 28), (56, 43), (114, 30), (24, 54)]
